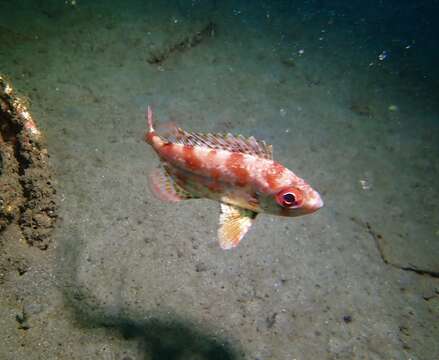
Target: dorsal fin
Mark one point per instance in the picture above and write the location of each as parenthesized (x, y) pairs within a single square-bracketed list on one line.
[(228, 142)]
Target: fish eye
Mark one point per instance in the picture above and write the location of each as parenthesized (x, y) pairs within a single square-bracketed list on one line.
[(290, 198)]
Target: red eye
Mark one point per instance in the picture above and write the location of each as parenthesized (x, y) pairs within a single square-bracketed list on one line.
[(290, 198)]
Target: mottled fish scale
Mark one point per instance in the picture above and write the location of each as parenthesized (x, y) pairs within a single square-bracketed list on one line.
[(235, 168)]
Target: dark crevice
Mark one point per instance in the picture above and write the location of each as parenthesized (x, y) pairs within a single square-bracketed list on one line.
[(23, 161), (377, 237), (160, 55), (418, 271)]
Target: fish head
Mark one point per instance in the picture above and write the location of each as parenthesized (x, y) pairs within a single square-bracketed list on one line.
[(292, 200)]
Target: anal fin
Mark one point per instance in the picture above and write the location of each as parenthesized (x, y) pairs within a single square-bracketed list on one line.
[(234, 224), (164, 187)]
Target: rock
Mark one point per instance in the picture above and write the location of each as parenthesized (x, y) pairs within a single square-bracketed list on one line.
[(22, 321), (27, 194)]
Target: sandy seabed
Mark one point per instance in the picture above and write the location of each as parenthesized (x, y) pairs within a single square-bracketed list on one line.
[(348, 104)]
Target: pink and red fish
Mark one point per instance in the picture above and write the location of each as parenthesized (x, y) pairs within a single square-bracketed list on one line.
[(238, 172)]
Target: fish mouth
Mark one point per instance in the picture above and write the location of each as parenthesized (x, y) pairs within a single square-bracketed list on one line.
[(315, 202)]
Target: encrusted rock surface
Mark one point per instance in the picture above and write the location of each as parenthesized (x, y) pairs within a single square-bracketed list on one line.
[(27, 194)]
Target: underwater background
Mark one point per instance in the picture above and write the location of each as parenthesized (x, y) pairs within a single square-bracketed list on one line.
[(347, 92)]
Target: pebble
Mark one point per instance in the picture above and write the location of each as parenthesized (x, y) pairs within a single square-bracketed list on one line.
[(347, 319), (22, 321), (32, 308), (365, 184)]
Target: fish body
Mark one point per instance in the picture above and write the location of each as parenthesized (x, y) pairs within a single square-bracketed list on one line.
[(238, 172)]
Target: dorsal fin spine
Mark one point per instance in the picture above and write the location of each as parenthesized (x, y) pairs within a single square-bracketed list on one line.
[(227, 142)]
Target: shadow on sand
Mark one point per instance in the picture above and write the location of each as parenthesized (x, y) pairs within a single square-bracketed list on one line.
[(159, 335), (158, 339)]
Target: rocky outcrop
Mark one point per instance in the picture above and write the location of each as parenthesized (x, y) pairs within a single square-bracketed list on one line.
[(27, 194)]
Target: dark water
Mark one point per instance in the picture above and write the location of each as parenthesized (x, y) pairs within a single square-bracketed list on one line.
[(347, 93)]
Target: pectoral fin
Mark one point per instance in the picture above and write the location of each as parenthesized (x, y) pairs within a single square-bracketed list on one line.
[(165, 188), (234, 224)]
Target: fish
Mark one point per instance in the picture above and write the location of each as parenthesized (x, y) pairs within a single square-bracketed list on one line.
[(236, 171)]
